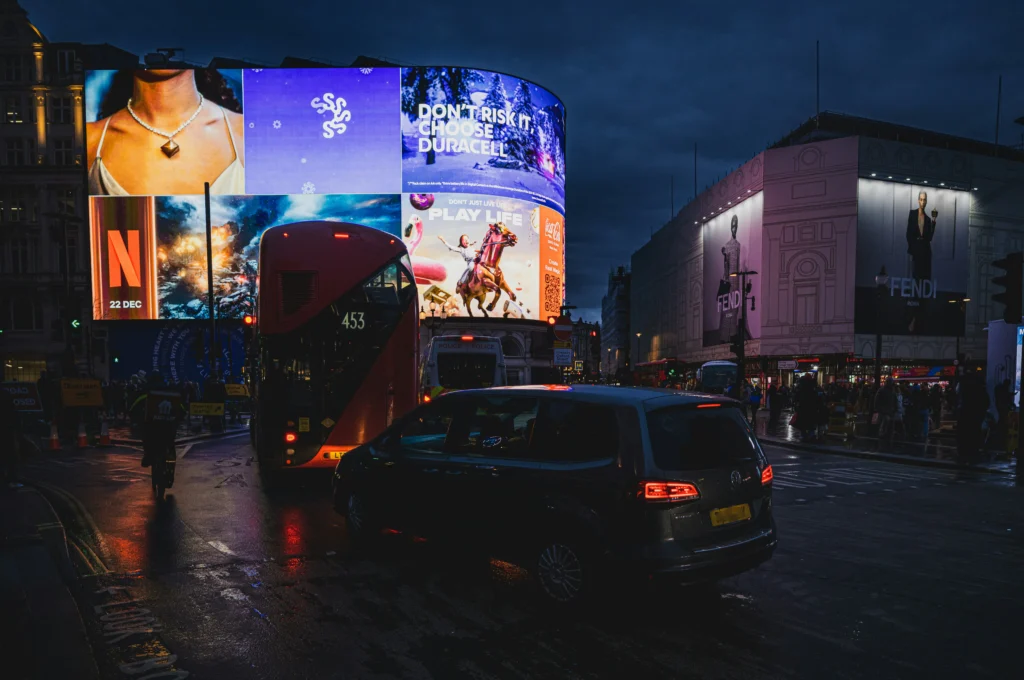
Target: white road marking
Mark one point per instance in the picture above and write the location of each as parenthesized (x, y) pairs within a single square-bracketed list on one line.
[(184, 451), (217, 545)]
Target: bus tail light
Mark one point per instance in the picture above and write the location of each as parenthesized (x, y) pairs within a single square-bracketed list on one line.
[(669, 491), (340, 234), (290, 437), (426, 398)]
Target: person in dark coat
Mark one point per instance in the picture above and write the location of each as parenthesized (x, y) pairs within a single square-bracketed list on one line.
[(920, 232), (807, 407)]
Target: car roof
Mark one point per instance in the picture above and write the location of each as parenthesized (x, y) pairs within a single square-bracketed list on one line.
[(648, 397)]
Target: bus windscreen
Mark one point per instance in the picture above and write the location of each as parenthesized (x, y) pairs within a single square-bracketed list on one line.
[(466, 370)]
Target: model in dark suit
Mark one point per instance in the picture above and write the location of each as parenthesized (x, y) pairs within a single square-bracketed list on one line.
[(920, 231)]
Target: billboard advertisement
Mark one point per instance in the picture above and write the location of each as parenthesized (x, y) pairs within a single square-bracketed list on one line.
[(479, 132), (363, 145), (918, 233), (732, 244), (485, 256)]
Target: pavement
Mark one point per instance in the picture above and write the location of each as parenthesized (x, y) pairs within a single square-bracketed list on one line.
[(42, 631), (883, 571), (938, 452)]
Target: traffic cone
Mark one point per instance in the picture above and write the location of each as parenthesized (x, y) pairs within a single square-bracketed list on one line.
[(104, 434), (83, 439), (54, 436)]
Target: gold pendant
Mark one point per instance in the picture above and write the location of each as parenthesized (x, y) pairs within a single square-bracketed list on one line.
[(170, 148)]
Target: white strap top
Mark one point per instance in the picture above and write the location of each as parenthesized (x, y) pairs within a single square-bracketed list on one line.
[(230, 182)]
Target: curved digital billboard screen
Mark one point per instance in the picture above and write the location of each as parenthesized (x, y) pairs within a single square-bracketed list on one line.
[(468, 166)]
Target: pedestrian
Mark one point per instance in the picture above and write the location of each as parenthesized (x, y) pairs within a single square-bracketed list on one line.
[(10, 438), (806, 398), (885, 409), (774, 407)]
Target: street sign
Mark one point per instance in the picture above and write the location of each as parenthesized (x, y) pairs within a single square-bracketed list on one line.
[(81, 392), (563, 357), (199, 408), (563, 328), (24, 395), (563, 344), (236, 390), (787, 365)]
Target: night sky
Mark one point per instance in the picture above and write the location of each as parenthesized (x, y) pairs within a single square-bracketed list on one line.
[(641, 80)]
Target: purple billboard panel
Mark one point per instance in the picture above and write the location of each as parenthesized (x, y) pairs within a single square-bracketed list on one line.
[(322, 131), (732, 244), (480, 132)]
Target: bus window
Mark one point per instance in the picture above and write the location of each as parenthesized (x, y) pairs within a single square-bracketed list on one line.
[(464, 370)]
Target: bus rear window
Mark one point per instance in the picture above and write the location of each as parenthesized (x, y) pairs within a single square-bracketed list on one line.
[(686, 439), (465, 370)]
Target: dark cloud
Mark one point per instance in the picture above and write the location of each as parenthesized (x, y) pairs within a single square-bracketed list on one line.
[(641, 80)]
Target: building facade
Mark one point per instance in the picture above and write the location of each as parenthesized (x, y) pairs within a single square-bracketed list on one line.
[(615, 323), (586, 349), (828, 219), (45, 306)]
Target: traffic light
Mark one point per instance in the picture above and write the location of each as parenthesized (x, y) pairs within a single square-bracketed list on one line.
[(736, 345), (248, 329), (1012, 282), (76, 330)]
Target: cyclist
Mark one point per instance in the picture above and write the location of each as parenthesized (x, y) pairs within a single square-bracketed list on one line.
[(159, 412)]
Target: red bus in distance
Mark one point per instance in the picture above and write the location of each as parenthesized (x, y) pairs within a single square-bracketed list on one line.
[(334, 349)]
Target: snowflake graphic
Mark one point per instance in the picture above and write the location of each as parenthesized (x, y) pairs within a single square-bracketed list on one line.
[(252, 125), (257, 70), (308, 188), (302, 160), (277, 125), (366, 70)]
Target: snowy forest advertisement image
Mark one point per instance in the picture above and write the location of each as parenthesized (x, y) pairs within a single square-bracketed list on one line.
[(482, 132), (467, 166)]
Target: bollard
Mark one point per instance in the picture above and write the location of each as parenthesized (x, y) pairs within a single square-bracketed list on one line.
[(104, 434), (54, 436)]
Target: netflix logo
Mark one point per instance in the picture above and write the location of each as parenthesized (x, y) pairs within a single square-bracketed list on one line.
[(124, 259)]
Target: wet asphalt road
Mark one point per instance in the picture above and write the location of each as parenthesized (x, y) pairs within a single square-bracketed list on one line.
[(882, 571)]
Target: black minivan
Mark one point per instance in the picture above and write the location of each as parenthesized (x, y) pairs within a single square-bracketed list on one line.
[(570, 481)]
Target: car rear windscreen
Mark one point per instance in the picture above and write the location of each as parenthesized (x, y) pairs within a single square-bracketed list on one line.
[(684, 438), (465, 370)]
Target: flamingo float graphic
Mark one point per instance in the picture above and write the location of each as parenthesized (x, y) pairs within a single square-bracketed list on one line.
[(425, 270)]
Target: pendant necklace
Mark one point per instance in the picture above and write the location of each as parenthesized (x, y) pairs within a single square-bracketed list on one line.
[(171, 147)]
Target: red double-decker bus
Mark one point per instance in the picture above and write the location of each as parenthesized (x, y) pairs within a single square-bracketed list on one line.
[(334, 349)]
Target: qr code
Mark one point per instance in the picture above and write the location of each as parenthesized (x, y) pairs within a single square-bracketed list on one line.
[(552, 292)]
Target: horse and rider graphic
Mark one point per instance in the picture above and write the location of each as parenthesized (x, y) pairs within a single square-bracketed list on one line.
[(483, 273)]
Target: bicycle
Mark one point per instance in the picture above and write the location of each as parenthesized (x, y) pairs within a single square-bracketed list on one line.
[(163, 470)]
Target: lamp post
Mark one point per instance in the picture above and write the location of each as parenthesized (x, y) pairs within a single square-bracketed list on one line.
[(963, 310), (435, 319), (882, 282), (636, 359), (741, 333)]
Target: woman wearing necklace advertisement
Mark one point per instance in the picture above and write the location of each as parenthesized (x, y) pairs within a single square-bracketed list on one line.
[(164, 132)]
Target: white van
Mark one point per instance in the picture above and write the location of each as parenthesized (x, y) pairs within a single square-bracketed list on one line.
[(461, 362)]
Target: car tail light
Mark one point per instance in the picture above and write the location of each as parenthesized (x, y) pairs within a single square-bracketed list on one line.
[(340, 234), (708, 405), (467, 338), (290, 437), (767, 475), (669, 491)]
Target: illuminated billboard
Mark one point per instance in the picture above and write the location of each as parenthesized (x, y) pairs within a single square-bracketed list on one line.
[(371, 146), (918, 233), (732, 244)]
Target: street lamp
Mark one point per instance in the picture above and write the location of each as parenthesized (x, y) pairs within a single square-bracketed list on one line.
[(963, 310), (636, 359), (882, 281), (438, 315)]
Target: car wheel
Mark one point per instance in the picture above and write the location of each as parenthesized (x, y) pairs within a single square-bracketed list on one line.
[(563, 570), (362, 526)]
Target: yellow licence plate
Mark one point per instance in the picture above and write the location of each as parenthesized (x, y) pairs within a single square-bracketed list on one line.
[(734, 513)]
